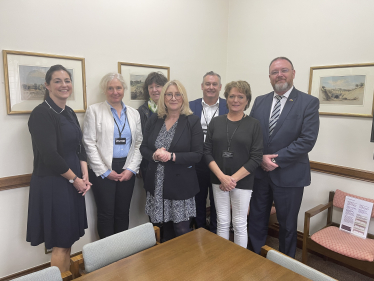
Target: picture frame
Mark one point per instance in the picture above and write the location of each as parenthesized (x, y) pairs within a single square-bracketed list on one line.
[(134, 75), (343, 90), (24, 77)]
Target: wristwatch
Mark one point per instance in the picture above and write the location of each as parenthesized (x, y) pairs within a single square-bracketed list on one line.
[(72, 181), (273, 160)]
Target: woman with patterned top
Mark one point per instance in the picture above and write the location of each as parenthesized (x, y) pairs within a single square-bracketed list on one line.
[(173, 144)]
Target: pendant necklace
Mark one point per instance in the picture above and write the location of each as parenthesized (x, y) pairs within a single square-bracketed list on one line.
[(53, 109)]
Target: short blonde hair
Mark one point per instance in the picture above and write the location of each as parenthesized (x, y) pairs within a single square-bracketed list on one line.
[(243, 87), (162, 110), (109, 77)]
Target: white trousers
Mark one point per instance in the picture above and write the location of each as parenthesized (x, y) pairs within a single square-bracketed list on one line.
[(239, 199)]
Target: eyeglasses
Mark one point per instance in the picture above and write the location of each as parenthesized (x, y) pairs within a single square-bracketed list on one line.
[(177, 96), (283, 71)]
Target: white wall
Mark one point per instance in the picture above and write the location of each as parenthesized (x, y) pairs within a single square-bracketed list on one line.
[(310, 33), (236, 38), (190, 36)]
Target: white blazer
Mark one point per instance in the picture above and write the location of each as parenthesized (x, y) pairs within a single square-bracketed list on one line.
[(98, 131)]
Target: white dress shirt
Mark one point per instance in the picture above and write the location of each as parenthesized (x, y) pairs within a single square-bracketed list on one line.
[(208, 112), (283, 101)]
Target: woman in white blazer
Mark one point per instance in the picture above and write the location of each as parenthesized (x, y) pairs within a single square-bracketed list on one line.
[(112, 135)]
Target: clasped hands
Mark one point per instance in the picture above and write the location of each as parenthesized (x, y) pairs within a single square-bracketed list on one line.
[(227, 183), (82, 184), (124, 176), (161, 155), (267, 164)]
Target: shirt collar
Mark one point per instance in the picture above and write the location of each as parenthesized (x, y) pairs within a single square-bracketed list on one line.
[(286, 94), (207, 105), (123, 107)]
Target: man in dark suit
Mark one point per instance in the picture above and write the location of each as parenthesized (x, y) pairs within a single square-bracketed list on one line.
[(290, 122), (209, 106)]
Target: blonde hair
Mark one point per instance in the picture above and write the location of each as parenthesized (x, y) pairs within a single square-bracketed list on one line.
[(162, 110)]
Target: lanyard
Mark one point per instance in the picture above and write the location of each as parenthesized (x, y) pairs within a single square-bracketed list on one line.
[(206, 121), (227, 131), (124, 125)]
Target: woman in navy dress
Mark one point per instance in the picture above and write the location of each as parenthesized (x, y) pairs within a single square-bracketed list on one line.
[(57, 211)]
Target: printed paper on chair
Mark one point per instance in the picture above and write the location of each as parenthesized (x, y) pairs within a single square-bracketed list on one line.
[(356, 216)]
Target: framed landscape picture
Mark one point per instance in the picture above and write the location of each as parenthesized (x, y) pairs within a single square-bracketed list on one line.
[(135, 75), (24, 77), (346, 90)]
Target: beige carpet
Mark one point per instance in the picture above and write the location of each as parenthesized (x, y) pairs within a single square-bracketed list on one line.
[(328, 267)]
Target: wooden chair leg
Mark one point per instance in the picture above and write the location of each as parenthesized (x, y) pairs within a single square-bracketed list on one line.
[(66, 276), (304, 258), (75, 263), (157, 233)]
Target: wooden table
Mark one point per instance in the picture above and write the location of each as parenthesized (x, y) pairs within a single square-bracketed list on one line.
[(197, 255)]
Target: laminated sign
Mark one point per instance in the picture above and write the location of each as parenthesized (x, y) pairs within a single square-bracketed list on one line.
[(356, 216)]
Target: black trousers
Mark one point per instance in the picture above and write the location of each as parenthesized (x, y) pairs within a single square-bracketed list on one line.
[(172, 230), (203, 176), (113, 200), (287, 202)]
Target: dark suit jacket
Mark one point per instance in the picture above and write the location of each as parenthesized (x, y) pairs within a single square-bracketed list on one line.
[(180, 176), (197, 107), (293, 137)]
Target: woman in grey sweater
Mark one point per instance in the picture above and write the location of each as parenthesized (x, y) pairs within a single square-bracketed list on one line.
[(233, 151)]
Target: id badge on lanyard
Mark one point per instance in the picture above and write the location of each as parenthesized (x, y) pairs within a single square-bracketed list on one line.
[(120, 140), (205, 131), (227, 155)]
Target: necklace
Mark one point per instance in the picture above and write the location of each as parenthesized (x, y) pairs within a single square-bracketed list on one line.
[(53, 109)]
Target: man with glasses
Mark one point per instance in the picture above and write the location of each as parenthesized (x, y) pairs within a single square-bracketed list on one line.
[(290, 121), (211, 105)]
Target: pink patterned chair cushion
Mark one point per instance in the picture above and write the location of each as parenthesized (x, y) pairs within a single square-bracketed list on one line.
[(345, 244), (339, 199)]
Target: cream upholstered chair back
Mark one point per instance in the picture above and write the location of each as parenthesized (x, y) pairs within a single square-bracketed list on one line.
[(118, 246), (297, 266), (49, 274)]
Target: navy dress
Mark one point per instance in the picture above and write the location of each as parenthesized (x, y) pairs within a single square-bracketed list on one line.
[(57, 212)]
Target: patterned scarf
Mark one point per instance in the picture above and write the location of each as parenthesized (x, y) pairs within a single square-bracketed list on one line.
[(152, 106)]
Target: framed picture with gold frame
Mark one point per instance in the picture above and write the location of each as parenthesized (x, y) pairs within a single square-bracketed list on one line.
[(135, 75), (345, 90), (24, 77)]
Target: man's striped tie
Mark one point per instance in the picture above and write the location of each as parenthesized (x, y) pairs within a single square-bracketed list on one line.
[(275, 114)]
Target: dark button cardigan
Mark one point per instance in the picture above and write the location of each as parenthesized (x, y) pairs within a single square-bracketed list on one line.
[(44, 127)]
